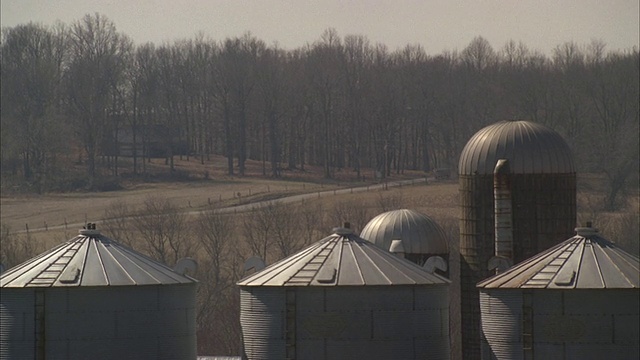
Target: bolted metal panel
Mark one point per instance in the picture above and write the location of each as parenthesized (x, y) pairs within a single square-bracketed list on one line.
[(374, 349), (262, 317), (419, 233), (370, 298), (164, 329), (17, 320), (531, 148)]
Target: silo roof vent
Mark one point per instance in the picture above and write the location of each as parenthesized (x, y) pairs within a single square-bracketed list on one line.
[(343, 259), (91, 259), (585, 261)]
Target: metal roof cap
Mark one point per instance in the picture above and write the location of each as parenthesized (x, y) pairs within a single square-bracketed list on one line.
[(343, 260), (585, 261), (90, 259)]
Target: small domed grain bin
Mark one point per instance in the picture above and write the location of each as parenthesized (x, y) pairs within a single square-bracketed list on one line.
[(92, 298), (421, 236), (577, 300), (543, 195), (344, 298)]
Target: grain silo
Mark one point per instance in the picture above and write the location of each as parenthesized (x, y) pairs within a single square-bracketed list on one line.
[(92, 298), (421, 236), (543, 183), (344, 298), (578, 300)]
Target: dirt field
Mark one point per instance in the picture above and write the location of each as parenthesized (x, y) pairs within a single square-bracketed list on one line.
[(51, 210)]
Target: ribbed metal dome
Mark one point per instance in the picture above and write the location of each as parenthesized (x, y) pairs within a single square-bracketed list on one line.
[(90, 259), (418, 232), (531, 148)]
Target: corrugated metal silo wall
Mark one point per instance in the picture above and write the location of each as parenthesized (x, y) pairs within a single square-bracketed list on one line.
[(126, 322), (17, 324), (565, 324), (544, 214), (501, 325), (262, 316)]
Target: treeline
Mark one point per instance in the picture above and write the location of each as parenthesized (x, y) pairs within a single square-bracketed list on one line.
[(340, 103)]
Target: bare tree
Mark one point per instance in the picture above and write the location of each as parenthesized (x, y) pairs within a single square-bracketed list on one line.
[(16, 248), (287, 237), (354, 212), (95, 68), (164, 230), (117, 222), (32, 58), (215, 234), (614, 93), (258, 227)]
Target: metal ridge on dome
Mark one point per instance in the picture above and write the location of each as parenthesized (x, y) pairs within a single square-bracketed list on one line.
[(90, 259), (585, 261), (419, 233), (531, 148), (342, 260)]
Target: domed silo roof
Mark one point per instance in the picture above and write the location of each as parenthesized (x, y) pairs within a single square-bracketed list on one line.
[(419, 233), (93, 298), (577, 300), (344, 298), (531, 148)]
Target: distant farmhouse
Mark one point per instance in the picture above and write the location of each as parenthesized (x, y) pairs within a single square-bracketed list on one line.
[(151, 141)]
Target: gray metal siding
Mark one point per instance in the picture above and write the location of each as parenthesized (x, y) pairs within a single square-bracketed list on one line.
[(86, 323), (383, 322), (567, 324), (17, 319)]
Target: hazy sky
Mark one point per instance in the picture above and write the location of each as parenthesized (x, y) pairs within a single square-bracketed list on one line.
[(435, 24)]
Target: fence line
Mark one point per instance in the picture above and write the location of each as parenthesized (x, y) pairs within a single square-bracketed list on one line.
[(242, 207)]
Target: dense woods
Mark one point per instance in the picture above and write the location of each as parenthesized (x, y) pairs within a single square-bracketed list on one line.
[(340, 103)]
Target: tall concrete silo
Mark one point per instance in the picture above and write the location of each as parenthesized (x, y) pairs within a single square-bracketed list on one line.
[(92, 298), (578, 300), (344, 298), (421, 236), (543, 183)]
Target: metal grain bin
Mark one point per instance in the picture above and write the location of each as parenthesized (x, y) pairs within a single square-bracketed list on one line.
[(421, 236), (577, 300), (344, 298), (92, 298), (543, 182)]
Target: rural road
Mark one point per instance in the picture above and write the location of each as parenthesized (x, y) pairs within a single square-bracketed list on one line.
[(257, 205)]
